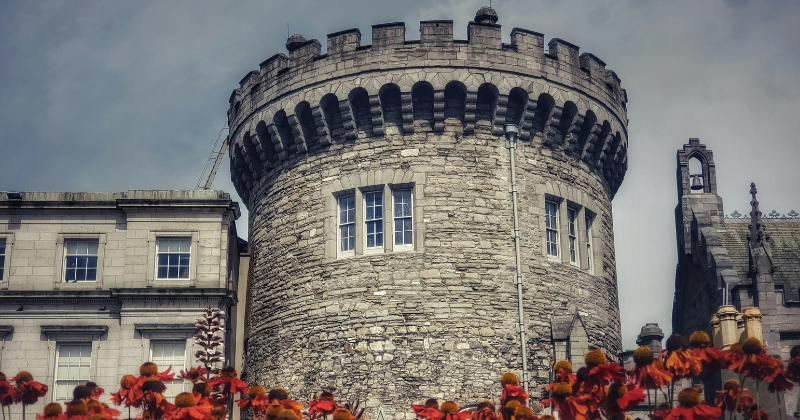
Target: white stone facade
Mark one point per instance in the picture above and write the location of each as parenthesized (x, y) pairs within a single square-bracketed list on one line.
[(127, 309)]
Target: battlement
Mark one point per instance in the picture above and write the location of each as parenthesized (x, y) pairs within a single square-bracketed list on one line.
[(483, 48), (298, 104)]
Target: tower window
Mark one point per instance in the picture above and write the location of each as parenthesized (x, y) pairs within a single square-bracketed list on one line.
[(572, 216), (551, 222), (73, 362), (589, 255), (373, 218), (347, 223), (403, 218)]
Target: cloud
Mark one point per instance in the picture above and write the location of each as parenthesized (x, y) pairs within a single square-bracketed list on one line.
[(115, 96)]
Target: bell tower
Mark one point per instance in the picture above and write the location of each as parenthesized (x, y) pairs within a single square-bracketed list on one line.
[(697, 192)]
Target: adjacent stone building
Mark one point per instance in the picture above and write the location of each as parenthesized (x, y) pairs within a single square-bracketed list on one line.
[(393, 236), (734, 259), (94, 284)]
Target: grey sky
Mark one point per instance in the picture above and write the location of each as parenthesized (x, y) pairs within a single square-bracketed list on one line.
[(110, 96)]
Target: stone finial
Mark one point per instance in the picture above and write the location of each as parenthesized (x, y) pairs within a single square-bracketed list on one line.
[(651, 336), (756, 227), (486, 15), (295, 41), (716, 331)]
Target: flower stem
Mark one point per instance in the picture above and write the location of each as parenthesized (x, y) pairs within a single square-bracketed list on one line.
[(780, 405), (758, 400), (648, 401), (23, 411)]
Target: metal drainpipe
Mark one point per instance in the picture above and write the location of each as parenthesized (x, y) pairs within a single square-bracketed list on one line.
[(511, 144)]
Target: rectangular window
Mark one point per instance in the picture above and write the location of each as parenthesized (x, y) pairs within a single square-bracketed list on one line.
[(172, 257), (403, 218), (374, 218), (80, 257), (589, 256), (72, 368), (347, 223), (170, 353), (572, 215), (2, 257), (551, 222)]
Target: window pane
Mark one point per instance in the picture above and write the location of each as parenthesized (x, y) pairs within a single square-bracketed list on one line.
[(91, 274), (183, 272), (80, 274), (379, 239), (72, 262), (172, 272), (91, 262), (370, 241)]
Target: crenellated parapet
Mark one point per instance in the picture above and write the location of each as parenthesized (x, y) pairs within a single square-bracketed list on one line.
[(301, 102)]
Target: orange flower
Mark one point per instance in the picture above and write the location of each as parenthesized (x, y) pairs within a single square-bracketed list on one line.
[(187, 408), (96, 407), (756, 414), (647, 372), (691, 407), (324, 405), (28, 390), (524, 413), (755, 363), (512, 390), (568, 407), (680, 362), (256, 400), (564, 373), (710, 358), (733, 397), (227, 382)]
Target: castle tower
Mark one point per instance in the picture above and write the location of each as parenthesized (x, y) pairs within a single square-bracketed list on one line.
[(382, 211)]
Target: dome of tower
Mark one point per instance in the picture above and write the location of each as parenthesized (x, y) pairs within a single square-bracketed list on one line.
[(486, 15), (295, 41)]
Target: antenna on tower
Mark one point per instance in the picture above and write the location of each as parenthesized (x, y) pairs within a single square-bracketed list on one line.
[(287, 30)]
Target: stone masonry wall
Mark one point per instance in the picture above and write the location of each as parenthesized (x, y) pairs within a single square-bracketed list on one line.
[(438, 320)]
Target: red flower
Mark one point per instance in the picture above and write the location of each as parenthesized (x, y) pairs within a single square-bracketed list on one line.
[(485, 411), (28, 390), (125, 394), (622, 399), (793, 368), (52, 411), (429, 411), (569, 407), (514, 392), (755, 363), (194, 374), (607, 373), (756, 414), (451, 412), (733, 397), (324, 405), (780, 382), (564, 373), (256, 400), (7, 392), (227, 383), (96, 407), (690, 407), (187, 408), (651, 376), (661, 412)]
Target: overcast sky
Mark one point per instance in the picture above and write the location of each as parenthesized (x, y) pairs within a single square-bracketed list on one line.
[(118, 95)]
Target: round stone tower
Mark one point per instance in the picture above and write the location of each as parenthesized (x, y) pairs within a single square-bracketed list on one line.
[(382, 211)]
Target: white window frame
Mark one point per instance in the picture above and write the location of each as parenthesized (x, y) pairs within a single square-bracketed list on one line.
[(352, 251), (58, 359), (158, 253), (175, 369), (548, 228), (572, 236), (377, 248), (66, 255), (404, 246), (60, 261), (589, 220), (152, 258)]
